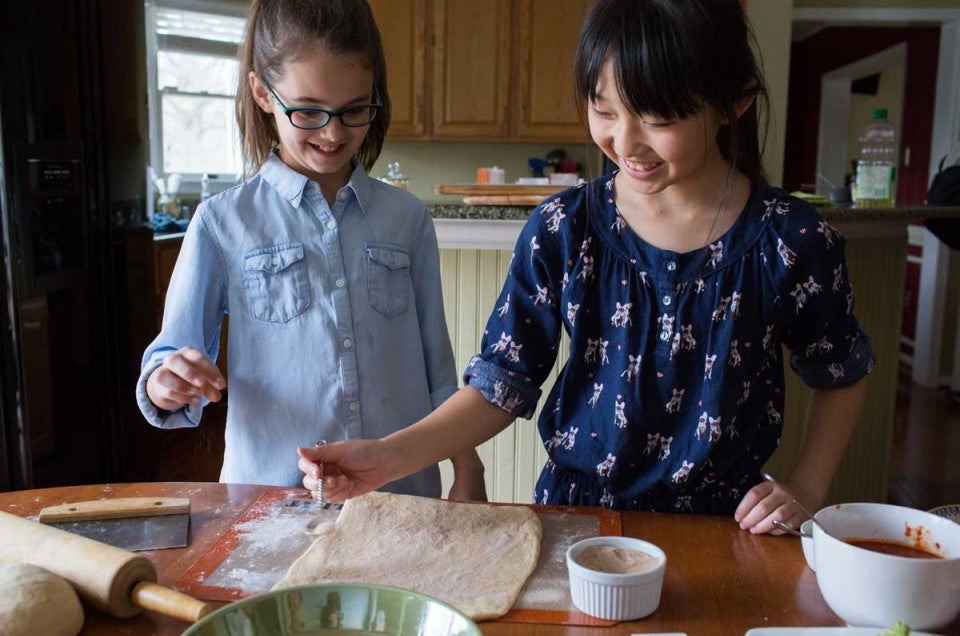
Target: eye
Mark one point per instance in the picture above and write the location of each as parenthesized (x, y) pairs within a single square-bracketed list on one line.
[(600, 113), (657, 123)]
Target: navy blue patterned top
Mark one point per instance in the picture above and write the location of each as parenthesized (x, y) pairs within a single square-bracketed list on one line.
[(672, 396)]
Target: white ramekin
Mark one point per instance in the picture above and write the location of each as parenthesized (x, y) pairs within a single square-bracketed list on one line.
[(616, 597)]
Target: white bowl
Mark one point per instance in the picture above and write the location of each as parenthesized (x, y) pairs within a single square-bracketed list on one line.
[(611, 596), (870, 589), (806, 541)]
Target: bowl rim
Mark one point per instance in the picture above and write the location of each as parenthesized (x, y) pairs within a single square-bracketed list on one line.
[(192, 630), (616, 578), (868, 505)]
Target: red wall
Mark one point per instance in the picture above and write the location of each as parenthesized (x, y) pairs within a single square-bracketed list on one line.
[(838, 46)]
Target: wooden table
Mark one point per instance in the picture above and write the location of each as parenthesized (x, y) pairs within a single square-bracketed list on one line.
[(719, 580)]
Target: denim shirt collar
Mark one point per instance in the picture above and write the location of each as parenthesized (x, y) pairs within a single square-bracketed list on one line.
[(290, 184)]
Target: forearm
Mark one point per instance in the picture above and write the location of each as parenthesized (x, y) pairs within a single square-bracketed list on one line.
[(831, 418), (453, 430)]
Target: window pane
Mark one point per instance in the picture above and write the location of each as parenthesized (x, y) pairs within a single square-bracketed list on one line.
[(194, 73), (199, 135), (204, 26)]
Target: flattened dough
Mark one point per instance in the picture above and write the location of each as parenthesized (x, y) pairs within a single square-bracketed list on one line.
[(475, 557)]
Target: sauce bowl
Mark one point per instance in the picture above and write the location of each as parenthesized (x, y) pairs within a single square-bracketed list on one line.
[(871, 589)]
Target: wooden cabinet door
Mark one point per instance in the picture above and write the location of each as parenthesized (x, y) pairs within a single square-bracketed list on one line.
[(545, 43), (471, 69), (403, 30)]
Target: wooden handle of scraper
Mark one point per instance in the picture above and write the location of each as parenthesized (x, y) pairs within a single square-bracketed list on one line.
[(117, 508), (103, 575)]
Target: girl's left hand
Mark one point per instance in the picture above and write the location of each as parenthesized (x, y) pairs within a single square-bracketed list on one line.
[(769, 501)]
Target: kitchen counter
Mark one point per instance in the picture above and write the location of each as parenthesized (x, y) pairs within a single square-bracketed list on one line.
[(719, 581), (462, 226)]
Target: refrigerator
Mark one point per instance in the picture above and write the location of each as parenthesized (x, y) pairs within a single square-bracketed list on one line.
[(61, 291)]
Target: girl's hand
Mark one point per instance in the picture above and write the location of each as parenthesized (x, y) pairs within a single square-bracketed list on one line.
[(185, 376), (350, 469), (769, 501)]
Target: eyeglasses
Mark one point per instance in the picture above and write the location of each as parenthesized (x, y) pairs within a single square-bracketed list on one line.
[(313, 117)]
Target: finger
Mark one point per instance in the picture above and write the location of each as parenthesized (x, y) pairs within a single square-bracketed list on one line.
[(172, 392), (308, 468), (754, 496), (197, 369), (763, 509), (337, 488)]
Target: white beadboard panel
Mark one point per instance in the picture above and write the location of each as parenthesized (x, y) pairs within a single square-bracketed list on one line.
[(472, 279), (471, 283)]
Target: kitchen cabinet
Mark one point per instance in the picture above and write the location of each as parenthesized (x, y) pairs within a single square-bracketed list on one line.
[(403, 29), (482, 71), (545, 43)]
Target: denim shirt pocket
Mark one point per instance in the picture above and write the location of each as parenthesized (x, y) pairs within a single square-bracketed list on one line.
[(388, 278), (276, 282)]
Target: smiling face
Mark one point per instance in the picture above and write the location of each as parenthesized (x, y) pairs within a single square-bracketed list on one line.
[(328, 80), (653, 153)]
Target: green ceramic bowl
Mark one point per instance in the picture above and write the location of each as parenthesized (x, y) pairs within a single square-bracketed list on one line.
[(336, 608)]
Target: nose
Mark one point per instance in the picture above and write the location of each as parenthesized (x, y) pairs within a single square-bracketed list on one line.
[(629, 136)]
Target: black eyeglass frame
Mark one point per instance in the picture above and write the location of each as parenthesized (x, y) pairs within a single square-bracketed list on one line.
[(330, 113)]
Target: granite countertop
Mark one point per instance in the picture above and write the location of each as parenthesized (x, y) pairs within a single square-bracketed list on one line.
[(517, 213)]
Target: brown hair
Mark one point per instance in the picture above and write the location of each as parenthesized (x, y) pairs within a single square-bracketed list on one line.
[(280, 30)]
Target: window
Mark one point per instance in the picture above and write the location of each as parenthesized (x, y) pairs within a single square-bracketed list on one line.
[(192, 72)]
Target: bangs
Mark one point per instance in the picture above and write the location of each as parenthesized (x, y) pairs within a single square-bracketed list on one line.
[(656, 66)]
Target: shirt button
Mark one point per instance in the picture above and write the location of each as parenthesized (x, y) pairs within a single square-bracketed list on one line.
[(347, 342), (666, 300), (331, 225), (274, 261), (341, 196), (340, 282), (354, 406), (672, 265)]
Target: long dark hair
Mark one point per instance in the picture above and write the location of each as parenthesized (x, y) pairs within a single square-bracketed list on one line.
[(280, 30), (672, 57)]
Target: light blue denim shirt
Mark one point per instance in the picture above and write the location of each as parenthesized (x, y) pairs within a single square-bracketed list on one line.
[(337, 327)]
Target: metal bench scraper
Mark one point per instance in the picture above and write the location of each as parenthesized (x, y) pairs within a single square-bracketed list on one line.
[(131, 523)]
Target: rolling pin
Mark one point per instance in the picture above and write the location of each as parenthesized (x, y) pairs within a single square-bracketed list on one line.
[(114, 581)]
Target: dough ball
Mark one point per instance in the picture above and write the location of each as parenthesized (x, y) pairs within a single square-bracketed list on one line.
[(36, 601)]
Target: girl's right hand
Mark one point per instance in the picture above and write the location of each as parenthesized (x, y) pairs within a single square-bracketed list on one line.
[(184, 376), (350, 468)]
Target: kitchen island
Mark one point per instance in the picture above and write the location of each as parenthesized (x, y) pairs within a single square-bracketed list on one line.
[(719, 580), (476, 243)]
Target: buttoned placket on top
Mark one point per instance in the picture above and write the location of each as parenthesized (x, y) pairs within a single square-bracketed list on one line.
[(340, 294)]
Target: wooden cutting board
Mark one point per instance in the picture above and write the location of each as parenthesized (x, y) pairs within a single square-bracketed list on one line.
[(521, 200), (477, 189)]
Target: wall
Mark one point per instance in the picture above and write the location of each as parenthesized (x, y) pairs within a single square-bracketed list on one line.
[(430, 163), (838, 46), (871, 4), (771, 21)]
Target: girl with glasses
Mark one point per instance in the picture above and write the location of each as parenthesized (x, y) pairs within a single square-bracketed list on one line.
[(678, 278), (331, 278)]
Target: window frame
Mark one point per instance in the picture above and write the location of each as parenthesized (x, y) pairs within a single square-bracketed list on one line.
[(191, 181)]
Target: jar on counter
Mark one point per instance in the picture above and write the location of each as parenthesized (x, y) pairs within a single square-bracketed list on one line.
[(396, 178)]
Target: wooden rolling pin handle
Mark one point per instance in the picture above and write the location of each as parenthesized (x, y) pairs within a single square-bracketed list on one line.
[(168, 602)]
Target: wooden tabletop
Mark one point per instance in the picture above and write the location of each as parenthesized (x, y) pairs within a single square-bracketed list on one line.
[(719, 580)]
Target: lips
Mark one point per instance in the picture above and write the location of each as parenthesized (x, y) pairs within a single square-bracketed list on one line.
[(327, 149)]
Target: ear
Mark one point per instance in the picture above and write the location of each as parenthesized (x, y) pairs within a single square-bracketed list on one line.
[(741, 106), (259, 91)]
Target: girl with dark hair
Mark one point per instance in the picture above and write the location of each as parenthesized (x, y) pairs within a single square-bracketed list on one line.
[(331, 278), (678, 278)]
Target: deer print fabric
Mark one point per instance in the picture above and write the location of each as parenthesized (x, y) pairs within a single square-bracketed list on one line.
[(672, 395)]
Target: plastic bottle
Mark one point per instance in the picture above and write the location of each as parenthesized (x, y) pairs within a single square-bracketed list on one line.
[(876, 179)]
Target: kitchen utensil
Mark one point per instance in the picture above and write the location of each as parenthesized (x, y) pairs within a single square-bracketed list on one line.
[(337, 608), (797, 533), (131, 523), (114, 581), (782, 525)]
